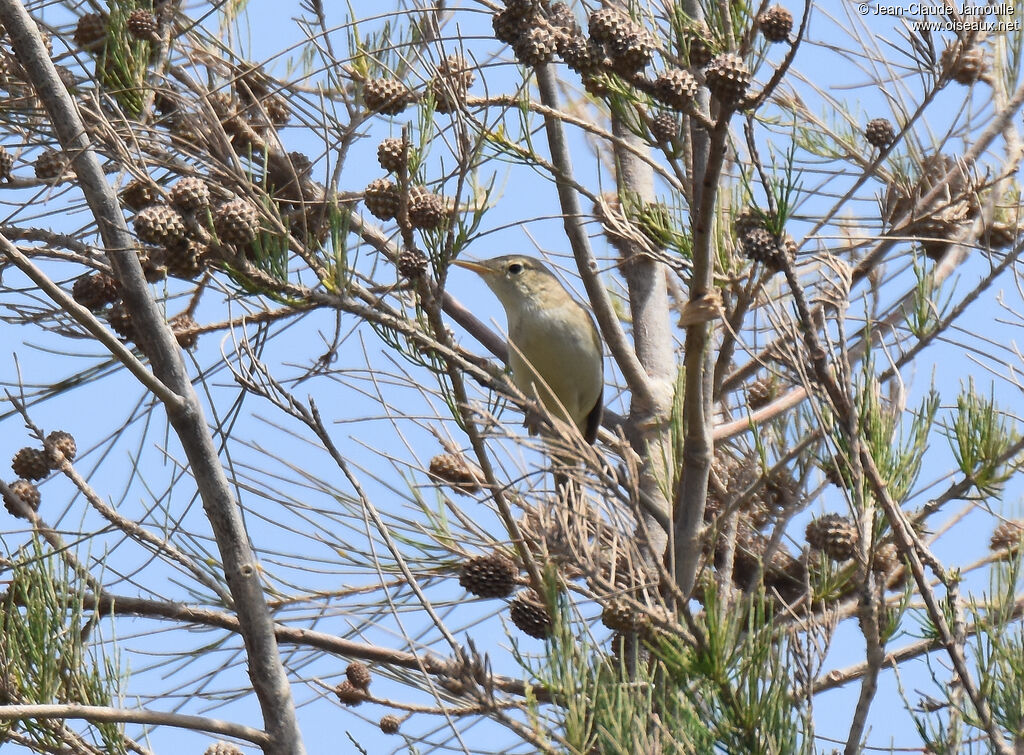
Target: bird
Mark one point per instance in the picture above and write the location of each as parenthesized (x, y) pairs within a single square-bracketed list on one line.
[(555, 349)]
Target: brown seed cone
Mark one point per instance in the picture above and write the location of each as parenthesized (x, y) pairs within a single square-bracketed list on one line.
[(509, 24), (6, 164), (830, 468), (700, 48), (222, 748), (632, 51), (964, 66), (390, 723), (581, 54), (143, 25), (760, 245), (426, 209), (608, 24), (665, 128), (62, 441), (535, 46), (391, 155), (349, 694), (676, 88), (139, 194), (31, 463), (834, 535), (1007, 536), (597, 85), (746, 220), (236, 222), (184, 328), (781, 491), (561, 17), (936, 233), (620, 617), (358, 675), (51, 164), (386, 96), (412, 263), (382, 199), (727, 78), (185, 258), (490, 576), (762, 392), (775, 24), (458, 71), (455, 471), (880, 132), (530, 8), (27, 492), (885, 558), (450, 86), (189, 194), (95, 291), (120, 321), (160, 224), (527, 611), (90, 31), (277, 109)]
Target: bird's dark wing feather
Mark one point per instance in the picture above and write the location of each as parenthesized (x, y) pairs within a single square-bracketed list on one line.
[(594, 421)]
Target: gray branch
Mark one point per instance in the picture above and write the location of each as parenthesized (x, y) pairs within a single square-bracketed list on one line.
[(185, 413)]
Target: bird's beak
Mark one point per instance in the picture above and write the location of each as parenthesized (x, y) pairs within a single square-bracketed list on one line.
[(477, 267)]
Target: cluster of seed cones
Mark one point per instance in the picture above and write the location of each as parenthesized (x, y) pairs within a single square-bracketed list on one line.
[(615, 44), (182, 232), (758, 502), (447, 89), (92, 29), (356, 689), (251, 110), (759, 244), (188, 226), (957, 204), (384, 199), (952, 211), (32, 464)]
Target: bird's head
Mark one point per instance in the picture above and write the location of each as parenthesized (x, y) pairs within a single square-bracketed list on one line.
[(518, 281)]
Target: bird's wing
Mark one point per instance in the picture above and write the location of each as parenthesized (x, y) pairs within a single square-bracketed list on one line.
[(593, 422)]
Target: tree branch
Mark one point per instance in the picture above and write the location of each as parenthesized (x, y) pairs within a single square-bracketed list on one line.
[(185, 413)]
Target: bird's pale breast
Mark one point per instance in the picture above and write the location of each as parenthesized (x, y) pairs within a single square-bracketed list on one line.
[(550, 348)]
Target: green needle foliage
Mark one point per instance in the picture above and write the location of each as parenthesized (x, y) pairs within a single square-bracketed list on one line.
[(981, 436), (45, 652)]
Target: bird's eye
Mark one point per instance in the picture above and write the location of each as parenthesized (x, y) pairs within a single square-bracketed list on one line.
[(515, 268)]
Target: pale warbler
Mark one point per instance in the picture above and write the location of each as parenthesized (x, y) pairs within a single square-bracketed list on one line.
[(554, 347)]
